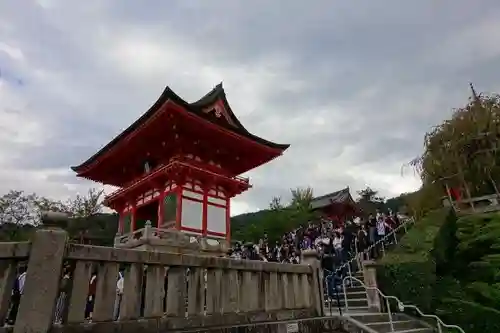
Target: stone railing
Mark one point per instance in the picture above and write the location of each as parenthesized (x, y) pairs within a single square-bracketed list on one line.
[(162, 291), (170, 240)]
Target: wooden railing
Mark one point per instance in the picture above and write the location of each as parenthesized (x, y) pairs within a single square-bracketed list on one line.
[(475, 205), (162, 291), (144, 179)]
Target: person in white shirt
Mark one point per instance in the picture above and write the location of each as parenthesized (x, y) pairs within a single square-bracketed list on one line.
[(381, 226), (119, 295), (337, 245)]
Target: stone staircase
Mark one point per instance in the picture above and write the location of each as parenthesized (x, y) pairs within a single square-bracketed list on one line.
[(369, 319), (356, 298)]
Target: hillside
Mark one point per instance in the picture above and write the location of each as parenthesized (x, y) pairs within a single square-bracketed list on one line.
[(240, 223)]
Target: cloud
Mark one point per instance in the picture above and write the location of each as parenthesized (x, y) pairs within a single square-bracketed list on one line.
[(352, 86)]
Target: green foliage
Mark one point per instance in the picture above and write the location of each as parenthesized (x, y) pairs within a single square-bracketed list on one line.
[(301, 198), (397, 204), (427, 199), (417, 244), (275, 221), (470, 316), (369, 201), (410, 281), (99, 228), (464, 288), (20, 214), (462, 151)]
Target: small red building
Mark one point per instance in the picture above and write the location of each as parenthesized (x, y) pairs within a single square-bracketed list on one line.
[(178, 165), (338, 206)]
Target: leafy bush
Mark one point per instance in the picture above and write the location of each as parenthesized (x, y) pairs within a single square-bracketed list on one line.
[(470, 316), (408, 271), (411, 282), (464, 286), (418, 243)]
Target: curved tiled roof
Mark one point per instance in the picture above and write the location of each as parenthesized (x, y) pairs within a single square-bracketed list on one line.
[(342, 196), (197, 108)]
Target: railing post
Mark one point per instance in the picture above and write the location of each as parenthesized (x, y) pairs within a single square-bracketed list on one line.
[(370, 280), (310, 257), (41, 289), (147, 231), (389, 312)]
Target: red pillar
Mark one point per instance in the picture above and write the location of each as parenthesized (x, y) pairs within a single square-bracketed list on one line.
[(133, 217), (120, 222), (178, 214), (228, 221), (161, 208), (204, 223)]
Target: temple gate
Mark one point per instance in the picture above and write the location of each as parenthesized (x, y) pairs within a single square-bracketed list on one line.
[(177, 168)]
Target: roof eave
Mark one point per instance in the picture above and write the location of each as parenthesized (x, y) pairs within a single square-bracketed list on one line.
[(169, 94)]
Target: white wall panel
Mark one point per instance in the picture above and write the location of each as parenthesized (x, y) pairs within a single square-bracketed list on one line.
[(216, 219), (192, 214)]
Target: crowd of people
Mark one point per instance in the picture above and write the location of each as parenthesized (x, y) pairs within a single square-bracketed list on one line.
[(334, 242)]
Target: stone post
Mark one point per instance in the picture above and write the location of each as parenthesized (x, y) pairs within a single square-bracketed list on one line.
[(370, 280), (311, 258), (41, 289), (147, 231)]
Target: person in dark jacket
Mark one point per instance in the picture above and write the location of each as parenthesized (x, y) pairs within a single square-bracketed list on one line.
[(17, 292), (362, 239)]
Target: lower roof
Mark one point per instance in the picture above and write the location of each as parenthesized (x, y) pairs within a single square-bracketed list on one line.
[(338, 197)]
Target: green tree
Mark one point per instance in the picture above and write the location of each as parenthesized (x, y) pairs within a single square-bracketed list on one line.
[(370, 201), (462, 151), (85, 205), (302, 198), (20, 214), (277, 220), (276, 204)]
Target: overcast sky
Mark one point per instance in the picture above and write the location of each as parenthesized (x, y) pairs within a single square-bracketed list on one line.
[(352, 85)]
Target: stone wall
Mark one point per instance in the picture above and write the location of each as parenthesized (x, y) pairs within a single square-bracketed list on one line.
[(162, 291)]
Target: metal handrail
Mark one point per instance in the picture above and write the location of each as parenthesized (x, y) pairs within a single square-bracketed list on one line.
[(380, 241), (347, 264), (336, 291), (401, 306)]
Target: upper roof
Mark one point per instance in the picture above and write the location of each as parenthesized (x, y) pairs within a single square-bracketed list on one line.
[(342, 196), (213, 107)]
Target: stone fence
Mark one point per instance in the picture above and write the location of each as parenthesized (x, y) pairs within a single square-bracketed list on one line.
[(162, 291)]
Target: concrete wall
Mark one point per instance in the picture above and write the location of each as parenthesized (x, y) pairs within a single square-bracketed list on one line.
[(162, 291)]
